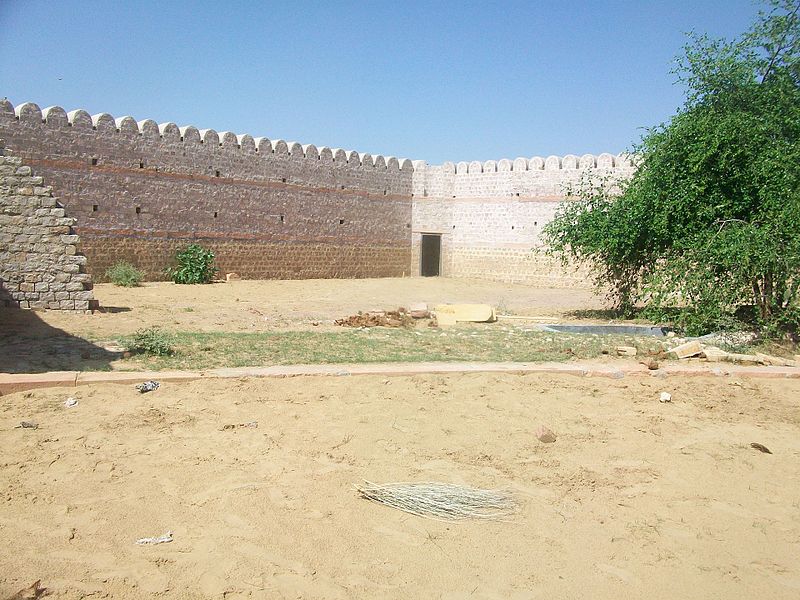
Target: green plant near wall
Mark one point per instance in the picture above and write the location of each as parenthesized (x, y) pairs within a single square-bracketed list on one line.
[(124, 274), (195, 265)]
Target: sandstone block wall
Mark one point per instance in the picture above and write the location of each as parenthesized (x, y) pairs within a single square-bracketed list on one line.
[(274, 209), (491, 215), (40, 266), (268, 208)]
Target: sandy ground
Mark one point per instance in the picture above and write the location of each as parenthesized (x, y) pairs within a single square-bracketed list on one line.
[(300, 304), (635, 499)]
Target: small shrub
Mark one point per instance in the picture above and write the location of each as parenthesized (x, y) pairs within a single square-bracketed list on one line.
[(152, 341), (124, 274), (195, 265)]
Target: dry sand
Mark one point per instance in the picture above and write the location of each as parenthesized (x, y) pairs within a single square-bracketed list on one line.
[(635, 499), (300, 304)]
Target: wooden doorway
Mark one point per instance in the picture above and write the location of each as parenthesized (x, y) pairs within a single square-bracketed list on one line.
[(431, 255)]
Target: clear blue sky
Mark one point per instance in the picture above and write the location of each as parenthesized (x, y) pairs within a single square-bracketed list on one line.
[(423, 80)]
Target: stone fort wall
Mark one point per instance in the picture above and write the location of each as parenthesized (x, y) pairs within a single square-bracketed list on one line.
[(267, 208), (275, 209), (490, 215)]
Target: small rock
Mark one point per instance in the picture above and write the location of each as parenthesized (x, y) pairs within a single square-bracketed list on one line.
[(670, 334), (232, 277), (545, 435), (70, 402), (626, 351), (665, 397), (650, 363), (27, 425)]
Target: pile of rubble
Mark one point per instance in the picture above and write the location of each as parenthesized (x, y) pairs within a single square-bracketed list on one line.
[(695, 349), (385, 318)]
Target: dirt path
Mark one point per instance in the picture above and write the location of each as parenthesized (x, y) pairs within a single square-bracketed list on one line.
[(635, 499)]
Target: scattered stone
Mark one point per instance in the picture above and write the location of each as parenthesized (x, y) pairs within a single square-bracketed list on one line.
[(761, 448), (665, 397), (714, 354), (231, 277), (650, 363), (32, 592), (626, 351), (545, 435), (687, 350), (775, 361), (251, 424), (147, 386), (670, 334), (419, 311), (27, 425)]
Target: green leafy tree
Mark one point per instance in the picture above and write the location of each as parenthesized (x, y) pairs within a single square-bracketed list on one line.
[(710, 221)]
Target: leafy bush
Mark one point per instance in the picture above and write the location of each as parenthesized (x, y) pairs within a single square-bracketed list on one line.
[(152, 341), (124, 274), (195, 265), (709, 224)]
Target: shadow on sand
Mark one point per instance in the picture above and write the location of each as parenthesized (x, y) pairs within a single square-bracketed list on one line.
[(29, 345)]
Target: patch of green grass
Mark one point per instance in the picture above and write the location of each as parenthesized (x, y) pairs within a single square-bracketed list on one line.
[(490, 343)]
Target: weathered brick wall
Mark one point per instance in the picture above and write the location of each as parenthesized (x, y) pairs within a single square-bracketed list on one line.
[(267, 208), (39, 263), (491, 215)]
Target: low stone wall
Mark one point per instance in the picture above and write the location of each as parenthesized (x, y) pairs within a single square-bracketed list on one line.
[(40, 266)]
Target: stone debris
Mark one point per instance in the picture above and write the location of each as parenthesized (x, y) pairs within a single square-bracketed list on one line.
[(147, 386), (650, 363), (27, 425), (391, 318), (231, 277), (760, 448), (228, 427), (32, 592), (70, 402), (545, 435), (665, 397), (626, 351), (687, 350), (419, 310), (714, 354)]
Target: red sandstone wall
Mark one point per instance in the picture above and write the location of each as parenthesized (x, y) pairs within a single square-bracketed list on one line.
[(268, 209)]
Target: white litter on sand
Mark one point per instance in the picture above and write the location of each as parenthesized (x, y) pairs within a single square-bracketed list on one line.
[(70, 402), (164, 539)]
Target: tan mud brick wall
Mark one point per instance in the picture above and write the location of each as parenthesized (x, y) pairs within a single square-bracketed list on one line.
[(267, 208), (40, 266)]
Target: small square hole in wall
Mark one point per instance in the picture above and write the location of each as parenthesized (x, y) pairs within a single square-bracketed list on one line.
[(141, 164), (384, 192), (512, 227), (215, 214), (138, 210), (216, 173), (95, 208), (342, 187), (283, 218), (283, 179), (94, 162), (341, 221), (535, 223)]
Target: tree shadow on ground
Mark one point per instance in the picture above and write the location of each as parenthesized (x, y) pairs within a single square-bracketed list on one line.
[(29, 345)]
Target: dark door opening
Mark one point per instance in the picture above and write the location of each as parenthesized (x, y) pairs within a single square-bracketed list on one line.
[(431, 255)]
